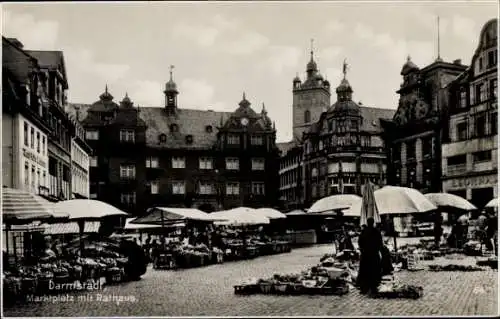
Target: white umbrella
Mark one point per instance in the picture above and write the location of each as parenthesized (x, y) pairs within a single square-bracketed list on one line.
[(241, 216), (87, 209), (334, 202), (401, 200), (492, 203), (450, 200), (296, 212), (270, 213), (369, 208)]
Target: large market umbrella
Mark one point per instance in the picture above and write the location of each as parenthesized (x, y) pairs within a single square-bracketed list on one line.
[(447, 200), (369, 207), (165, 215), (296, 212), (334, 202), (82, 210), (401, 200), (20, 207), (87, 209), (241, 216), (130, 226), (492, 203), (271, 213)]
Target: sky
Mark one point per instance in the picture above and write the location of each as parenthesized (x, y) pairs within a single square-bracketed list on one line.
[(221, 49)]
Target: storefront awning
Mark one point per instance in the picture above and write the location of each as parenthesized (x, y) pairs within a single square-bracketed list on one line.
[(71, 228)]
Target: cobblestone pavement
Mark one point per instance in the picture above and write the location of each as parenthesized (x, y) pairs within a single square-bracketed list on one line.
[(209, 291)]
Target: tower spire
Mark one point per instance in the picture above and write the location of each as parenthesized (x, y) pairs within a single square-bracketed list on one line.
[(171, 71), (438, 41), (344, 68), (244, 96), (312, 49), (106, 89)]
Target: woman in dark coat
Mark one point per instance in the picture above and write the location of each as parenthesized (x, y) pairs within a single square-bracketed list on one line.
[(370, 267), (137, 262)]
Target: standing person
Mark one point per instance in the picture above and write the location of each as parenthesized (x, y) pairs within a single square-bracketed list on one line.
[(492, 232), (370, 267), (438, 230)]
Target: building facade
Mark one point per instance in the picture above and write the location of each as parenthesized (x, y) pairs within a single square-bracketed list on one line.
[(335, 148), (345, 148), (25, 125), (414, 135), (470, 146), (62, 129), (178, 157), (80, 163)]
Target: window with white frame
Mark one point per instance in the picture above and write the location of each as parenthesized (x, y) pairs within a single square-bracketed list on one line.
[(233, 139), (92, 135), (206, 163), (32, 138), (258, 164), (206, 188), (258, 188), (178, 162), (463, 98), (232, 163), (127, 171), (127, 198), (152, 162), (154, 187), (93, 161), (178, 187), (26, 174), (256, 140), (233, 188), (127, 136)]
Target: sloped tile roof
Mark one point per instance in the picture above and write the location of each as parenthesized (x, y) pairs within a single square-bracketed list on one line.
[(371, 118), (285, 147), (188, 121), (16, 61)]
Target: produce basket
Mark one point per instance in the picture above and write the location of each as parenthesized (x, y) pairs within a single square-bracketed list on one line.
[(114, 275), (246, 289), (280, 287), (44, 280), (28, 285), (266, 287), (295, 288)]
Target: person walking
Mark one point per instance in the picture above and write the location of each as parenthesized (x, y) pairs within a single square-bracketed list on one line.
[(438, 230), (370, 267), (492, 232)]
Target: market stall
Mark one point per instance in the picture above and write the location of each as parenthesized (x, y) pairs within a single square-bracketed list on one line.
[(25, 211), (192, 247)]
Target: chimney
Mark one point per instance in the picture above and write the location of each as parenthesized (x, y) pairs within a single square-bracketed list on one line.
[(458, 62), (16, 43)]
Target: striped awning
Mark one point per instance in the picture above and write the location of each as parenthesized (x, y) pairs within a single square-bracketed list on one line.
[(71, 228), (19, 207)]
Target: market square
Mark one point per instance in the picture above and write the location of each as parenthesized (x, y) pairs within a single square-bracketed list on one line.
[(202, 162)]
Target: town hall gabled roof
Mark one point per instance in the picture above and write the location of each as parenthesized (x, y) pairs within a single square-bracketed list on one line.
[(200, 124)]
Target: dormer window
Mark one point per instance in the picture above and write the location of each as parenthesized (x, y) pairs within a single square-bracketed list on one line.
[(174, 128), (189, 139), (127, 136), (162, 138), (209, 129)]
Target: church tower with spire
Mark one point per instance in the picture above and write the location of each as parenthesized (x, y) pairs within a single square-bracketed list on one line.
[(171, 94), (310, 98)]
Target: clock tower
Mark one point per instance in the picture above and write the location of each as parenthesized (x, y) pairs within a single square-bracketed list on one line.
[(310, 98)]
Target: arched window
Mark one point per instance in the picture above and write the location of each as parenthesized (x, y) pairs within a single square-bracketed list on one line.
[(307, 116)]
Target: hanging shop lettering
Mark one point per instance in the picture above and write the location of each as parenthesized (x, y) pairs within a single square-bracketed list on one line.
[(475, 181), (27, 154)]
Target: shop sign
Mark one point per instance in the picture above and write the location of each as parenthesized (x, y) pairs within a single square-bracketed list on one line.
[(56, 151), (475, 181), (31, 156)]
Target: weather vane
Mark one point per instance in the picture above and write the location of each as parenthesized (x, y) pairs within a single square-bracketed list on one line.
[(345, 67), (171, 69)]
